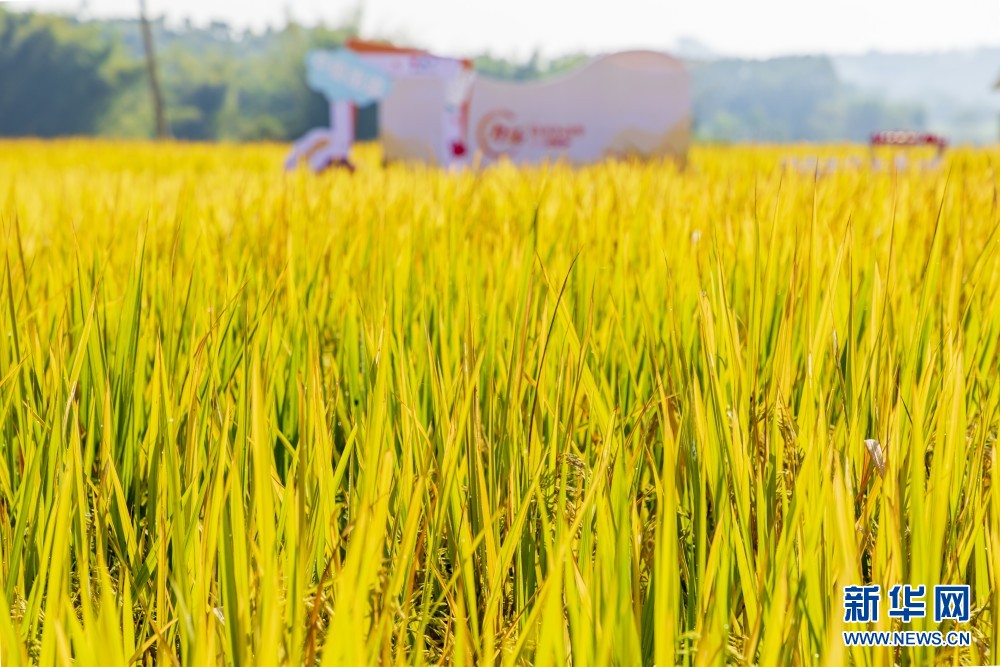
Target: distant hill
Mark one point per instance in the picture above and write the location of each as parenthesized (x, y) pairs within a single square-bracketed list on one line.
[(955, 88), (794, 98)]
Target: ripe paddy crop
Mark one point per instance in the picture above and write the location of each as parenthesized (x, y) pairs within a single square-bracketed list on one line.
[(612, 415)]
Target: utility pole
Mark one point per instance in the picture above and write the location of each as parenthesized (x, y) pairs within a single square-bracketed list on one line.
[(162, 131)]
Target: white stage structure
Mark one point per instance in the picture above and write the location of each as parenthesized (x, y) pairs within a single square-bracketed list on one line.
[(435, 110), (423, 103)]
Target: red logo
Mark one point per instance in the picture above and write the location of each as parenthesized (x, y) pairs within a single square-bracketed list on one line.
[(499, 133)]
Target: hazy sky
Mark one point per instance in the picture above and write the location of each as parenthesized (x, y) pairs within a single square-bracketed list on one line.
[(516, 27)]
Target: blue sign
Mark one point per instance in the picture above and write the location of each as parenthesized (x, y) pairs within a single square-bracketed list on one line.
[(861, 603), (343, 76), (951, 603), (907, 602)]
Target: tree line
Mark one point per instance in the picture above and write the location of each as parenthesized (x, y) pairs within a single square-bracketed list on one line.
[(60, 76)]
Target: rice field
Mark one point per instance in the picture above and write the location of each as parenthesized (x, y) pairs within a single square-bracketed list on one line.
[(607, 416)]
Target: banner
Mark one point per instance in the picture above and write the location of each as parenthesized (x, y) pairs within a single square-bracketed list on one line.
[(636, 103)]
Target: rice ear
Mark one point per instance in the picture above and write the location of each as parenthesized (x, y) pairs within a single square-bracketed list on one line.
[(877, 454)]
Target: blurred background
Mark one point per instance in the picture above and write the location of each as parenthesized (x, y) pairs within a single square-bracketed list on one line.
[(768, 71)]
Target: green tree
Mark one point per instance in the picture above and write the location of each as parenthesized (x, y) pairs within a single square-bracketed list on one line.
[(270, 87), (197, 91), (58, 77)]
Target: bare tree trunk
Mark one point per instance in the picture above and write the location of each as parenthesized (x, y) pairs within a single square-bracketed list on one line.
[(162, 131)]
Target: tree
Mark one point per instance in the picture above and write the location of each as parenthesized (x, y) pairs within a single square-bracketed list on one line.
[(58, 77), (159, 113), (197, 89), (270, 90)]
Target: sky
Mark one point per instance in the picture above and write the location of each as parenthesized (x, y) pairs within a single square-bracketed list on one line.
[(516, 28)]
